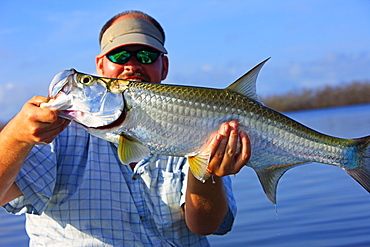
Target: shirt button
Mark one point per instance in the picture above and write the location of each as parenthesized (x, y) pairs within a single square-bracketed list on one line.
[(134, 177), (141, 218)]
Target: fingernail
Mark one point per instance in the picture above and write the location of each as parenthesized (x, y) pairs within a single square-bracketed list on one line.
[(234, 124), (226, 128)]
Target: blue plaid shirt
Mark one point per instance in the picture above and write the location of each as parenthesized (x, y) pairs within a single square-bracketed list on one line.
[(77, 193)]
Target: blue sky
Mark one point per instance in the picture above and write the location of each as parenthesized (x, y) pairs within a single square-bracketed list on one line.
[(211, 43)]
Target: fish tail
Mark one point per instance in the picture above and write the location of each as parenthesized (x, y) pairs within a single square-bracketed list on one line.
[(362, 172)]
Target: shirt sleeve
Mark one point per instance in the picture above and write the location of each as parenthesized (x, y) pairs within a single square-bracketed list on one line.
[(228, 221), (36, 180)]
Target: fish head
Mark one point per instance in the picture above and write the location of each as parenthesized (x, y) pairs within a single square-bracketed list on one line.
[(85, 99)]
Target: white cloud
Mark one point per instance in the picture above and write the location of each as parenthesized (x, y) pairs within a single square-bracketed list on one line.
[(6, 92), (13, 95), (9, 100), (9, 86), (207, 67), (279, 76)]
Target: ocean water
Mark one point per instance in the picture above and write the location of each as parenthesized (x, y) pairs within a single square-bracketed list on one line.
[(317, 205)]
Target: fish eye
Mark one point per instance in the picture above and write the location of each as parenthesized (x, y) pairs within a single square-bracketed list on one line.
[(86, 80)]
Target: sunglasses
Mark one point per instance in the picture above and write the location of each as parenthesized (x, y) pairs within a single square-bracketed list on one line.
[(121, 56)]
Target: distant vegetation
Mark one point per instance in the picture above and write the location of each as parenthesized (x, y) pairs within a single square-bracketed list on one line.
[(357, 92)]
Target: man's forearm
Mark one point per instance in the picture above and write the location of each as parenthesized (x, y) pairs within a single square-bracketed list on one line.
[(12, 155), (206, 205), (31, 126)]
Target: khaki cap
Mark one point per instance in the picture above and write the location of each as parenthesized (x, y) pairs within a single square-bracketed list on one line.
[(131, 31)]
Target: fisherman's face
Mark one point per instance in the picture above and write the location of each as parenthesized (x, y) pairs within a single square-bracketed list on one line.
[(133, 69)]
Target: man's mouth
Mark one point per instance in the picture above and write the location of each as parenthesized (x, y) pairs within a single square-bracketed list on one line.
[(134, 78)]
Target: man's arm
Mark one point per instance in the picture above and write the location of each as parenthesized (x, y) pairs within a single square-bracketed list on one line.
[(206, 204), (32, 125)]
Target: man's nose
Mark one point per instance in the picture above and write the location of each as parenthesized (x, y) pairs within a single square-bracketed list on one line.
[(132, 64)]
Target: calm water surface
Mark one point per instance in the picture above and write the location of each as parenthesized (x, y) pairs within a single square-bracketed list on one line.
[(317, 205)]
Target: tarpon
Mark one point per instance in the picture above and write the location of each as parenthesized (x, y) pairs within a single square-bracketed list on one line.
[(143, 118)]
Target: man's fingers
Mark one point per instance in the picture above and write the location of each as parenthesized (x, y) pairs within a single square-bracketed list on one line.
[(230, 150), (243, 157), (217, 152), (50, 130)]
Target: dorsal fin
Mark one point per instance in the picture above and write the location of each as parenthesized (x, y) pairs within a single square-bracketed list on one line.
[(246, 84)]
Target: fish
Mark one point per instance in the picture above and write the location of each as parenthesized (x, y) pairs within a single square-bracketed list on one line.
[(144, 118)]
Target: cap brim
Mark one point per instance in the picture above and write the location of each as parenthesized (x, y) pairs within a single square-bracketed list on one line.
[(133, 39)]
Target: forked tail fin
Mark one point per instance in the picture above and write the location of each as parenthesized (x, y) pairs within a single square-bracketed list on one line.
[(269, 177), (362, 172)]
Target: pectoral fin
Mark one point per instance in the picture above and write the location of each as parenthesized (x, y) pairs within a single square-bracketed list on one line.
[(198, 165), (131, 151)]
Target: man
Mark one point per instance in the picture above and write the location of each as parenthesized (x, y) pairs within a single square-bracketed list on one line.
[(75, 191)]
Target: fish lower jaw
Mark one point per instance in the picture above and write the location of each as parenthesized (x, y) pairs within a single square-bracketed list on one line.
[(116, 123), (70, 114)]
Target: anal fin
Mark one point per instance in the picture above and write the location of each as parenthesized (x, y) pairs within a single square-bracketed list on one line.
[(269, 178)]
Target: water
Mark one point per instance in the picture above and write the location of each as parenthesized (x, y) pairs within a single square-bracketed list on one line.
[(317, 205)]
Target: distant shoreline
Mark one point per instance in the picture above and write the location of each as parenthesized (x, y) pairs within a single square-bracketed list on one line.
[(355, 93)]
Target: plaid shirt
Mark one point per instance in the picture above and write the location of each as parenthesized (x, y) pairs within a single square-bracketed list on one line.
[(77, 193)]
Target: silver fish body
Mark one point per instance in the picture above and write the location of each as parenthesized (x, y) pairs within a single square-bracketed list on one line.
[(178, 120), (179, 127)]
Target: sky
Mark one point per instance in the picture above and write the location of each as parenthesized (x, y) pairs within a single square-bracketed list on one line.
[(211, 43)]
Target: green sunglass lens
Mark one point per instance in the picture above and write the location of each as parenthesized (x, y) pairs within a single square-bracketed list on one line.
[(147, 57), (143, 56), (120, 57)]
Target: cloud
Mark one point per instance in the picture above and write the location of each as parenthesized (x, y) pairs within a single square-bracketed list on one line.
[(9, 95), (15, 93), (6, 90), (278, 76), (8, 31), (330, 69)]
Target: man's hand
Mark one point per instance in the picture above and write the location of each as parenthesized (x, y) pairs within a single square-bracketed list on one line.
[(35, 125), (228, 155), (206, 203), (32, 125)]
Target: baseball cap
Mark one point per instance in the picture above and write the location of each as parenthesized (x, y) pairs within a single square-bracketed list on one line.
[(131, 31)]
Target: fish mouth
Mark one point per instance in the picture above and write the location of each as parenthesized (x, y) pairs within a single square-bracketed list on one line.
[(59, 82), (73, 114), (115, 123)]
